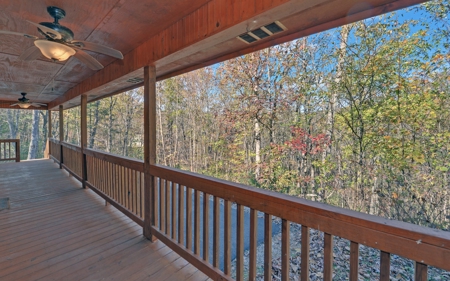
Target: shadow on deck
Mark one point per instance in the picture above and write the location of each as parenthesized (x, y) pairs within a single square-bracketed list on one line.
[(55, 230)]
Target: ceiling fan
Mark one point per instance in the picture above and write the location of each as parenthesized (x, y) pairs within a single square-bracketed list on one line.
[(25, 103), (58, 43)]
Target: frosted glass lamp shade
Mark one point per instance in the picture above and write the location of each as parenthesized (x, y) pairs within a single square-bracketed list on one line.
[(24, 105), (54, 50)]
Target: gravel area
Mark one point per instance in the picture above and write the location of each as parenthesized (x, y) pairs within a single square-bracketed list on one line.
[(369, 260)]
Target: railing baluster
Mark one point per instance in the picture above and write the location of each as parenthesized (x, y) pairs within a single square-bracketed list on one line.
[(420, 272), (206, 227), (253, 240), (197, 223), (168, 207), (328, 257), (227, 237), (156, 199), (181, 215), (216, 226), (162, 205), (354, 261), (240, 243), (267, 247), (305, 254), (285, 254), (189, 218), (385, 266), (174, 210)]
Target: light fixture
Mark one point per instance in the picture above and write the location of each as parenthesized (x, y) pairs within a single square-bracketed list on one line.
[(54, 50), (24, 105)]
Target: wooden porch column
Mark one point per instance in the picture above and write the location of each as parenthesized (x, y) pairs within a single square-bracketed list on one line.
[(149, 148), (49, 134), (61, 134), (83, 140)]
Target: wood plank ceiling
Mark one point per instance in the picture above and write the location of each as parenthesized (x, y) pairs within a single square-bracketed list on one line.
[(121, 24), (176, 35)]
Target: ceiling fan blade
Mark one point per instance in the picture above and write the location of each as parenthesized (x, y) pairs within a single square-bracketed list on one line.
[(30, 54), (98, 48), (88, 60), (50, 32), (38, 104), (35, 104), (18, 33), (14, 104)]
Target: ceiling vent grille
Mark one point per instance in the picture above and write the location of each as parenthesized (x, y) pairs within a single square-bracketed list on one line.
[(135, 80), (262, 32)]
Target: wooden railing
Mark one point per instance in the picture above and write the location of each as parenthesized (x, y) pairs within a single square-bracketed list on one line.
[(72, 160), (55, 150), (119, 180), (184, 204), (10, 150)]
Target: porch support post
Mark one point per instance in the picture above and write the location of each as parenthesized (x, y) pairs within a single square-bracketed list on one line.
[(61, 134), (49, 134), (83, 140), (149, 149)]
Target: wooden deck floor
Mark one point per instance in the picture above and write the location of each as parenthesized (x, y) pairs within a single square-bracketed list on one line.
[(55, 230)]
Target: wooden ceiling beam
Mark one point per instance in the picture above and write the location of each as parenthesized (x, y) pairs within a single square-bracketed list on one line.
[(212, 18), (216, 23), (289, 36)]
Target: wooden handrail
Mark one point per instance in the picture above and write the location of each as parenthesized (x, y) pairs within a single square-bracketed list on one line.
[(8, 154), (128, 162), (119, 180), (71, 146), (421, 244)]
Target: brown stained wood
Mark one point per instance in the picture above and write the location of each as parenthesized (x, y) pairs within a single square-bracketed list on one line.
[(196, 222), (305, 254), (168, 208), (134, 164), (206, 227), (387, 235), (420, 272), (162, 205), (222, 26), (75, 237), (61, 135), (253, 242), (240, 243), (385, 266), (268, 247), (195, 260), (135, 193), (328, 257), (5, 145), (83, 138), (216, 234), (227, 237), (149, 196), (189, 218), (285, 249), (181, 215), (354, 261), (174, 211)]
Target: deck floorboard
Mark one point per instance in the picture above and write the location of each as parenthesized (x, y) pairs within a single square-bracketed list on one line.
[(55, 230)]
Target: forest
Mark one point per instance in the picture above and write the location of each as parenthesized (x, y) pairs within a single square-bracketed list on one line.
[(356, 117)]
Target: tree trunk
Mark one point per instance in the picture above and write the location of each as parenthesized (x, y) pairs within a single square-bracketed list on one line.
[(257, 132), (332, 103), (94, 126), (373, 208), (44, 128), (110, 130), (13, 122), (34, 136)]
